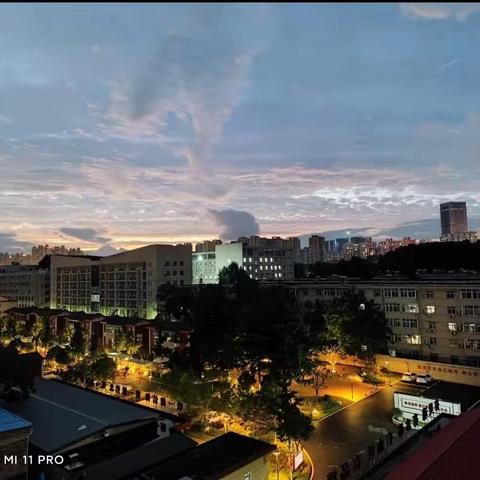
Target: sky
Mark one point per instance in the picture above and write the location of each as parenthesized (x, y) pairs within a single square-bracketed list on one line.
[(130, 124)]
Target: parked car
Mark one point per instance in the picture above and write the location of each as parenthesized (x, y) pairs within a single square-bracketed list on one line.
[(424, 379), (409, 377)]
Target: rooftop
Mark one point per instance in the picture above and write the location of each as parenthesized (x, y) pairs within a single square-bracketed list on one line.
[(212, 460), (10, 422), (449, 453), (63, 414)]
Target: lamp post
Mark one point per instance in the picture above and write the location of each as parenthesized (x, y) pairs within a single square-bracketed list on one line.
[(276, 458)]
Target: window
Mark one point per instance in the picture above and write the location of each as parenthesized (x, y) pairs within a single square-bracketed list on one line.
[(180, 263), (408, 293), (394, 322), (390, 292), (450, 294), (163, 427), (452, 327), (413, 339), (452, 311), (392, 307), (377, 292), (472, 344), (471, 310), (430, 309), (247, 476), (167, 264), (428, 294), (470, 293), (431, 341), (410, 323), (411, 308), (471, 327), (453, 344)]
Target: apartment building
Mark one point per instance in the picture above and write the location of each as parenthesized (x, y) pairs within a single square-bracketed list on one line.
[(204, 267), (435, 317), (124, 284), (27, 285), (262, 258)]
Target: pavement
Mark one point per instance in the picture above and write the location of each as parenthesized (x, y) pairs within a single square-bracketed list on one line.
[(346, 383), (340, 436)]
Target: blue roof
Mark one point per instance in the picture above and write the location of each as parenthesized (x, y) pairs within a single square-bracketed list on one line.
[(9, 421)]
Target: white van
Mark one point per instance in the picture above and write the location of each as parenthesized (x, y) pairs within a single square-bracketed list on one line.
[(424, 379), (409, 377)]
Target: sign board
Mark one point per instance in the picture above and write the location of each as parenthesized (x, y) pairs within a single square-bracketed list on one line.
[(298, 459), (411, 404)]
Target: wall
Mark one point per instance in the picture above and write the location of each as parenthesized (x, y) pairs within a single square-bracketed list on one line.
[(439, 371), (258, 471)]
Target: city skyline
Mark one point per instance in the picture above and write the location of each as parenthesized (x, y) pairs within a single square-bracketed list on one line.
[(130, 125)]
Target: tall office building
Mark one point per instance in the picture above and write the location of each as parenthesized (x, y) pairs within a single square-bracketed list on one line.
[(316, 249), (453, 218)]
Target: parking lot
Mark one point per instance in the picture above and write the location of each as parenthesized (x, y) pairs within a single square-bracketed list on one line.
[(467, 395)]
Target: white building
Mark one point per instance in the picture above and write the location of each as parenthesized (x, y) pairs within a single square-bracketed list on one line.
[(262, 258)]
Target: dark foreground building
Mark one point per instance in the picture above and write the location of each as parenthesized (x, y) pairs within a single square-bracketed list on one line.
[(93, 435)]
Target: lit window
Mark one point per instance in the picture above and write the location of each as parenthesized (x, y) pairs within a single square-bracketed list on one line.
[(452, 327), (430, 309)]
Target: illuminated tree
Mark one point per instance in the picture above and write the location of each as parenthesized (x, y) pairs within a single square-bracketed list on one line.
[(332, 355)]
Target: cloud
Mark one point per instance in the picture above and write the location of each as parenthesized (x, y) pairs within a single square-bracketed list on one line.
[(10, 243), (439, 11), (235, 223), (5, 119), (193, 82), (86, 234), (445, 66)]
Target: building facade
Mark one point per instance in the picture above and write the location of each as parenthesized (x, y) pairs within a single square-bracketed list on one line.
[(453, 219), (28, 285), (125, 284), (435, 318), (316, 249), (204, 267)]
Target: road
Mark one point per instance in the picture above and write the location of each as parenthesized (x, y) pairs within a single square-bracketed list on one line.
[(340, 436)]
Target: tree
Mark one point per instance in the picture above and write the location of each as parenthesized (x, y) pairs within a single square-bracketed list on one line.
[(332, 355), (124, 342), (78, 342), (356, 325), (103, 368), (316, 375), (45, 335), (66, 335), (59, 354), (232, 274)]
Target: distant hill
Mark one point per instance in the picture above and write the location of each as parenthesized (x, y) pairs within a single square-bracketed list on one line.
[(106, 250)]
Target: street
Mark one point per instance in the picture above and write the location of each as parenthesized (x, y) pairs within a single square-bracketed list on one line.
[(340, 436)]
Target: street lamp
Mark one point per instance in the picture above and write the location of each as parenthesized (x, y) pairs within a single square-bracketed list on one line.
[(388, 374), (351, 384), (276, 453)]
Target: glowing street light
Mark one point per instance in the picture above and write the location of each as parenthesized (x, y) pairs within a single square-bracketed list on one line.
[(277, 453)]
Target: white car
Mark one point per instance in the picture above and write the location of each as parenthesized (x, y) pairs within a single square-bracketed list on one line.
[(409, 377), (424, 379)]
